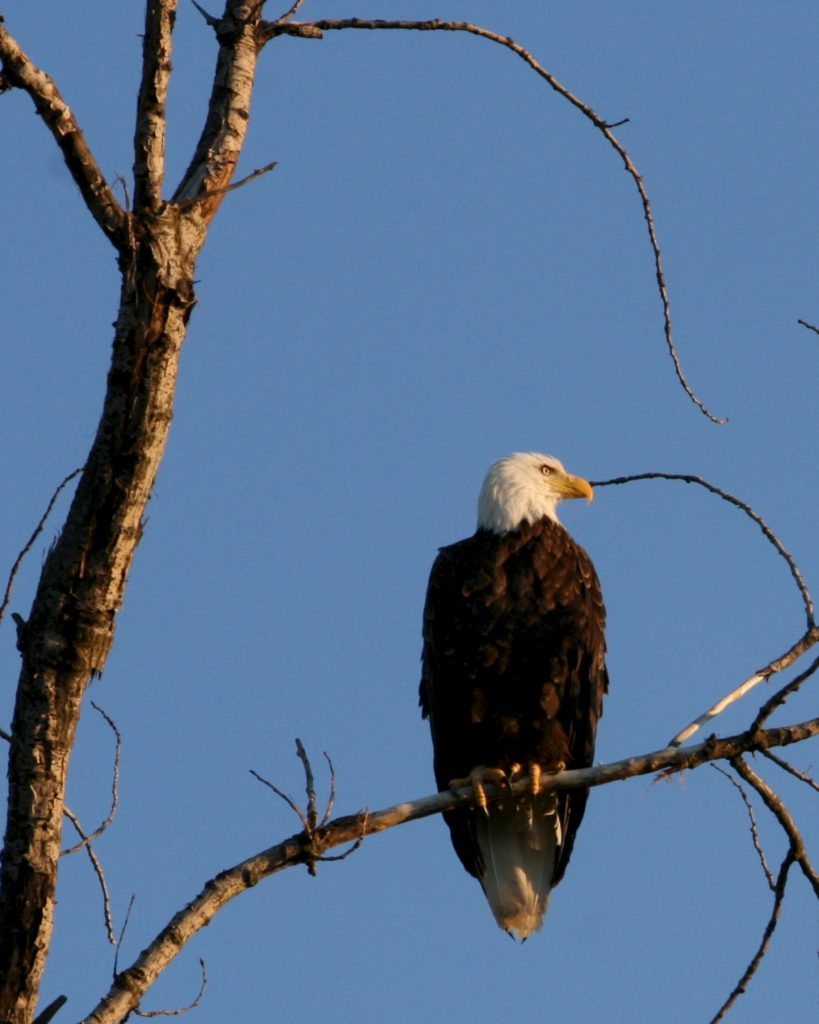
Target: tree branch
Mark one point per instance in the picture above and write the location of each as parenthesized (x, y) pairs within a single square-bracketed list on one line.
[(20, 72), (315, 29), (751, 969), (777, 665), (130, 985), (783, 816), (149, 136), (85, 842), (217, 152)]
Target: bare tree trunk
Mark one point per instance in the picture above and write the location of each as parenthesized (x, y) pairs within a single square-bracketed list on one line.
[(70, 629), (71, 626)]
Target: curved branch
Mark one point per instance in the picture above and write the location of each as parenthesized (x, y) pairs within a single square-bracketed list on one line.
[(20, 72), (86, 839), (315, 29), (783, 816), (688, 478), (130, 985)]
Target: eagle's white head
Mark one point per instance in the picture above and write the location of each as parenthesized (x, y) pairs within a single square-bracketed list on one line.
[(525, 487)]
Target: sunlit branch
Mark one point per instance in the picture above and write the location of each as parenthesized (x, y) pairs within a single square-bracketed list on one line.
[(131, 984), (151, 124), (20, 72)]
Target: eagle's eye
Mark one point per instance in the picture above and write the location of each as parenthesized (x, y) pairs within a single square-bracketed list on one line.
[(546, 469)]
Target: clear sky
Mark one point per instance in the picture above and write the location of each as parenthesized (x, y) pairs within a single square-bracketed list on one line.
[(447, 265)]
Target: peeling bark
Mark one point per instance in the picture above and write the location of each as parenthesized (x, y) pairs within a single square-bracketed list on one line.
[(70, 628)]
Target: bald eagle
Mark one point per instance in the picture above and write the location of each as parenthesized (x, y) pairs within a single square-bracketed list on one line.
[(513, 677)]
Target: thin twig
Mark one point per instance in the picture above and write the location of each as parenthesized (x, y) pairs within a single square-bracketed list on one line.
[(95, 864), (754, 829), (331, 801), (122, 934), (312, 812), (810, 327), (744, 507), (782, 815), (291, 803), (788, 767), (121, 180), (184, 1009), (268, 30), (750, 970), (30, 542), (185, 204), (114, 787)]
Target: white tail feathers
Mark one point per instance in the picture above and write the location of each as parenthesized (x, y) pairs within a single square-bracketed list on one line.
[(518, 842)]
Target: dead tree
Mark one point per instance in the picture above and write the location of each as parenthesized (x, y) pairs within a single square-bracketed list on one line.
[(66, 639)]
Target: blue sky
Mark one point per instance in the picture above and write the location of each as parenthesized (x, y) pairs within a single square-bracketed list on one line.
[(448, 264)]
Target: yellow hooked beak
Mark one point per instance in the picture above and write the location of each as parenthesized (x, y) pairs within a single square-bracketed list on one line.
[(569, 486)]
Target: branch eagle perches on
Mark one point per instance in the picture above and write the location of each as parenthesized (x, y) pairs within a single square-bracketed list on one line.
[(311, 844)]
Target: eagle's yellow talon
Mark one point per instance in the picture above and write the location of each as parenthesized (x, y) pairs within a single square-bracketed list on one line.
[(477, 779)]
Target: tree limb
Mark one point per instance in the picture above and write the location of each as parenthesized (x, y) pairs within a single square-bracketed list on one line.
[(149, 137), (20, 72), (783, 816), (769, 534), (779, 896), (131, 984), (220, 142)]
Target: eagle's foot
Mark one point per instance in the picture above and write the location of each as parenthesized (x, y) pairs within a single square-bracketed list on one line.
[(477, 780), (533, 770)]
